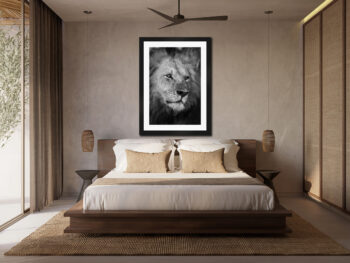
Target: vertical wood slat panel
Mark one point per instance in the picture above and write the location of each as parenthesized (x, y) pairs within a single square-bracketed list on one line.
[(348, 105), (333, 104), (312, 105)]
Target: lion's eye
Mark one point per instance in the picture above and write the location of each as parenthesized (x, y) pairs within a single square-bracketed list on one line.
[(187, 78), (169, 76)]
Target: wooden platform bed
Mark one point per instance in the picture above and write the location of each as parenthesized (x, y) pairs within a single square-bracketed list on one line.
[(177, 222)]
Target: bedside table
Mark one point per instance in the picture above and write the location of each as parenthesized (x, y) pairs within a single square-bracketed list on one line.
[(87, 176), (268, 176)]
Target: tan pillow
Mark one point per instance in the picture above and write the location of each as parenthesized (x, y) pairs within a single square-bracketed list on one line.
[(139, 162), (203, 162)]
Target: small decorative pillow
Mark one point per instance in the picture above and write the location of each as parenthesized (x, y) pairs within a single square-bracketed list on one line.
[(230, 153), (120, 154), (140, 162), (203, 162)]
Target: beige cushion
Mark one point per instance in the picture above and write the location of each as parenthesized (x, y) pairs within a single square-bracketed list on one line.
[(141, 162), (230, 153), (120, 154), (203, 162)]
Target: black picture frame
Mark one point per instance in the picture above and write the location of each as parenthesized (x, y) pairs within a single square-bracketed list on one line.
[(208, 130)]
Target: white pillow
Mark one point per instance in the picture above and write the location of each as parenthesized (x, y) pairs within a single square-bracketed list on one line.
[(120, 154), (230, 153), (143, 141), (205, 141)]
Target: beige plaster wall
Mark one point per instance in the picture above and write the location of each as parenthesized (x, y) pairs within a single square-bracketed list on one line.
[(106, 99)]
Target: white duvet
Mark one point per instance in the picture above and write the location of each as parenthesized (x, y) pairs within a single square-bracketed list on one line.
[(178, 197)]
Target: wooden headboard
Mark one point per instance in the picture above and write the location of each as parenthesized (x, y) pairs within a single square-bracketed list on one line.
[(246, 156)]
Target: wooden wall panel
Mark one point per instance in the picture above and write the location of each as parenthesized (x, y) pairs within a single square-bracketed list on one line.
[(348, 105), (333, 104), (312, 105)]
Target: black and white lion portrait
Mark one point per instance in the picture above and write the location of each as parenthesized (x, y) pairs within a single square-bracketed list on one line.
[(175, 86)]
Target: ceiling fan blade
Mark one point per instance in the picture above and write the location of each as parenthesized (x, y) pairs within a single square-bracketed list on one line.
[(210, 18), (162, 15), (172, 24)]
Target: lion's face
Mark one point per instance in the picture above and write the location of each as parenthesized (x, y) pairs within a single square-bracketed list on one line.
[(175, 81)]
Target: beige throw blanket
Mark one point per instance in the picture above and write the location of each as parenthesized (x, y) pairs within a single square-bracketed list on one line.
[(177, 181)]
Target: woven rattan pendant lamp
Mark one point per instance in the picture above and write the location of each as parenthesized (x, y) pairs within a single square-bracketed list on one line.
[(268, 138), (87, 137)]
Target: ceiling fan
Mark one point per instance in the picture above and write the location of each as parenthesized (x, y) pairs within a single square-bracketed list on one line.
[(179, 18)]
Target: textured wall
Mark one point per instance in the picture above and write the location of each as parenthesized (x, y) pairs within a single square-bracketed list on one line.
[(109, 103)]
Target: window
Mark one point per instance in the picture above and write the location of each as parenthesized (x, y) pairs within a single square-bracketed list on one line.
[(14, 110)]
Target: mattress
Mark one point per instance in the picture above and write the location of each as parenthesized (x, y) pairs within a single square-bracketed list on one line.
[(178, 197)]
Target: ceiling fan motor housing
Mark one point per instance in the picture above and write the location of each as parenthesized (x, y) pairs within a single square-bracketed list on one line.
[(179, 16)]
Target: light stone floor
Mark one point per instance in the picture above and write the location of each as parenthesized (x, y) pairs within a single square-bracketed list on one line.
[(333, 223)]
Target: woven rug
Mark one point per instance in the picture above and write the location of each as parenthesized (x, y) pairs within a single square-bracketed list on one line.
[(49, 239)]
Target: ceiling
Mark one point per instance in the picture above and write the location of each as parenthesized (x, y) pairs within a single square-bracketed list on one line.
[(136, 10), (10, 12)]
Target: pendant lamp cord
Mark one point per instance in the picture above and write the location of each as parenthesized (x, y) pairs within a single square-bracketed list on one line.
[(87, 68), (268, 71)]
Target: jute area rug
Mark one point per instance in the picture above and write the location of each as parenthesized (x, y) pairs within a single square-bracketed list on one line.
[(49, 239)]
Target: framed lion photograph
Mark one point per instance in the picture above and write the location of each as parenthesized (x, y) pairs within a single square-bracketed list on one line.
[(175, 86)]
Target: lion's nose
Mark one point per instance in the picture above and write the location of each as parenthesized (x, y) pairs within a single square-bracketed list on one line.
[(182, 93)]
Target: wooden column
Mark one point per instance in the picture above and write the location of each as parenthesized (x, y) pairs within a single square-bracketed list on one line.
[(312, 106), (347, 105), (333, 106)]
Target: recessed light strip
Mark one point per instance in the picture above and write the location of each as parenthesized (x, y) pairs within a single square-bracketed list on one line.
[(316, 11)]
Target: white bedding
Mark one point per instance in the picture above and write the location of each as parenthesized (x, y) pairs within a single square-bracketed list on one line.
[(178, 197)]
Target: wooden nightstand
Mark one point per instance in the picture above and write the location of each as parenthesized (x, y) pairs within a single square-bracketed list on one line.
[(268, 176), (87, 176)]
